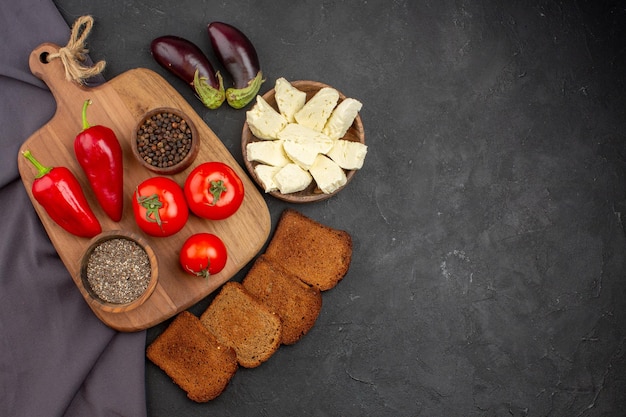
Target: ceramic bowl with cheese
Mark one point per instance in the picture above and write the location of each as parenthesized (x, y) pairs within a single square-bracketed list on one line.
[(303, 141)]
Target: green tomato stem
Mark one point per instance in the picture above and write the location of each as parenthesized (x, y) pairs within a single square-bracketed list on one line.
[(216, 189), (152, 204), (203, 273)]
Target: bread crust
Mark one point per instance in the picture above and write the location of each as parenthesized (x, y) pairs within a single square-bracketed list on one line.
[(189, 354), (317, 254), (297, 303)]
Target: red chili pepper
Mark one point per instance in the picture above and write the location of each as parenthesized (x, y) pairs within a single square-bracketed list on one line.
[(100, 155), (59, 192)]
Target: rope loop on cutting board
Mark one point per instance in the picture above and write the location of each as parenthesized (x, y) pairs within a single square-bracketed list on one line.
[(74, 53)]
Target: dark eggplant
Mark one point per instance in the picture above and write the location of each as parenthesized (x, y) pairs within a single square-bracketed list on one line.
[(238, 56), (184, 59)]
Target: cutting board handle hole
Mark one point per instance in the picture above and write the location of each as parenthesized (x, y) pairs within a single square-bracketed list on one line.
[(43, 57)]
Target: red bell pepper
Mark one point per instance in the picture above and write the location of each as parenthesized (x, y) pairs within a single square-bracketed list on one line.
[(100, 156), (60, 194)]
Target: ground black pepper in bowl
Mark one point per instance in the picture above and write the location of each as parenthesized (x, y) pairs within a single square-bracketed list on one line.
[(119, 271), (165, 141)]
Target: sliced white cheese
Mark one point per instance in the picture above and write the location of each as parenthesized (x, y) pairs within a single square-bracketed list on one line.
[(315, 113), (266, 174), (342, 118), (327, 174), (291, 178), (268, 152), (294, 132), (288, 98), (302, 154), (348, 154), (264, 121)]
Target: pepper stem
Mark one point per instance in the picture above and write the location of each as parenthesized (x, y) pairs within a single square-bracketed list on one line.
[(43, 170), (85, 122), (239, 97)]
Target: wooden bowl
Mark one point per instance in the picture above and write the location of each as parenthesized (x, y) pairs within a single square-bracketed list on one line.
[(117, 307), (177, 166), (312, 193)]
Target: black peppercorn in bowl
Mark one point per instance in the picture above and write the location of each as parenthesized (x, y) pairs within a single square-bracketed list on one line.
[(119, 271), (165, 141)]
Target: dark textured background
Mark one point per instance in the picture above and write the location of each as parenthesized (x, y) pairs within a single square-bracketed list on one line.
[(488, 276)]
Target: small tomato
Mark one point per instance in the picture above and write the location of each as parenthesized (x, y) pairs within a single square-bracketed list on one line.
[(159, 206), (203, 254), (214, 191)]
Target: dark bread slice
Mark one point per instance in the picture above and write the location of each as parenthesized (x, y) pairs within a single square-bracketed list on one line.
[(297, 304), (317, 254), (240, 321), (193, 358)]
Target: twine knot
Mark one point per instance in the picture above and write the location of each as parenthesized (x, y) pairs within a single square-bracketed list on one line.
[(74, 53)]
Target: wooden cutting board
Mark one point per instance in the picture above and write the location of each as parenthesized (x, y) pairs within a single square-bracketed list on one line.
[(120, 104)]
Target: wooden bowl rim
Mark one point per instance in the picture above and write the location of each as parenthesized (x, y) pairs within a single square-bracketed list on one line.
[(186, 161), (308, 195), (154, 271)]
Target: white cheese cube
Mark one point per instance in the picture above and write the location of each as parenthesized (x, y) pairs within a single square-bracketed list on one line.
[(327, 174), (348, 154), (291, 178), (264, 121), (268, 152), (266, 174), (294, 132), (315, 113), (288, 98), (342, 118), (300, 153)]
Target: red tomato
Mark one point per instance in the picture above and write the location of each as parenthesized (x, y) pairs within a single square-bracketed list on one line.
[(160, 207), (214, 191), (203, 254)]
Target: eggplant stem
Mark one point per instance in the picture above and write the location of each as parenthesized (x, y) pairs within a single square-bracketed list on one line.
[(209, 96), (238, 98)]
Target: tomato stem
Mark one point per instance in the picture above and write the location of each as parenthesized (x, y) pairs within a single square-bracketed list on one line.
[(152, 204), (216, 189), (203, 273)]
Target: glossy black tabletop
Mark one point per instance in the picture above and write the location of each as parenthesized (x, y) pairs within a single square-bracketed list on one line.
[(488, 275)]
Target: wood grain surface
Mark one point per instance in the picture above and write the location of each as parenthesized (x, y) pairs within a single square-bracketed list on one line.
[(120, 104)]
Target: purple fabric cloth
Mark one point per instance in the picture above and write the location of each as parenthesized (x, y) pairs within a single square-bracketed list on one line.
[(56, 357)]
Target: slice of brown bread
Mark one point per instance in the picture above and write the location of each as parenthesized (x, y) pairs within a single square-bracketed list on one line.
[(193, 358), (240, 321), (297, 304), (317, 254)]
